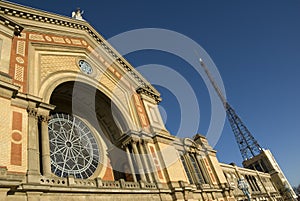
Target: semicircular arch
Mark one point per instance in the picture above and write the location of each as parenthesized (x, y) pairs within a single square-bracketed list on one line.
[(124, 119)]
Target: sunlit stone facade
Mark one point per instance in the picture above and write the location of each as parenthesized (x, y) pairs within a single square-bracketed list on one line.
[(79, 123)]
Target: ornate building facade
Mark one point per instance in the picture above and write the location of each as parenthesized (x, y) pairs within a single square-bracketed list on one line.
[(78, 122)]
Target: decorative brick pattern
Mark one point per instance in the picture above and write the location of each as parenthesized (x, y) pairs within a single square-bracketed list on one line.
[(84, 42), (19, 73), (19, 58), (141, 111), (58, 39), (21, 48), (113, 70), (48, 38), (51, 64), (76, 41), (156, 162), (210, 172), (18, 61), (107, 64), (55, 39), (37, 37), (109, 175), (16, 141), (95, 36)]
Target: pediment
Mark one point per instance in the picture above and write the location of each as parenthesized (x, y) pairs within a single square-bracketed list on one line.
[(45, 27)]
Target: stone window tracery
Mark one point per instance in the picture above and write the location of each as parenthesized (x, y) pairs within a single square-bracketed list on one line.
[(73, 147)]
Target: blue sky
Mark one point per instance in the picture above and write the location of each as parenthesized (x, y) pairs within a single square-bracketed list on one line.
[(254, 44)]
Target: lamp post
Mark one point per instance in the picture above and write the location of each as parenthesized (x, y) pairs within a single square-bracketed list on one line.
[(242, 185)]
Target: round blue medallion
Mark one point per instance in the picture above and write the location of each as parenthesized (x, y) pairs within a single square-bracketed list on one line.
[(85, 67)]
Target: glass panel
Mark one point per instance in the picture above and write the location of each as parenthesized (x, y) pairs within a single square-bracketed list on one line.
[(188, 174), (73, 147), (198, 174)]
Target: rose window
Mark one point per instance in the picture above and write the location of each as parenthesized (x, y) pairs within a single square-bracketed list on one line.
[(73, 147)]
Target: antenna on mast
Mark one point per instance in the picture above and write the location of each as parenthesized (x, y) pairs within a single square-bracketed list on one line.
[(248, 145), (250, 148)]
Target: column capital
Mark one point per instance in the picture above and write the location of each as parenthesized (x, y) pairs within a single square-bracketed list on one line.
[(130, 140), (39, 109), (146, 140), (44, 118), (125, 143), (135, 139), (32, 112)]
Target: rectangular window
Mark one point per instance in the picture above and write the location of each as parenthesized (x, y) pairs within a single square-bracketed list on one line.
[(192, 169), (186, 169), (197, 172)]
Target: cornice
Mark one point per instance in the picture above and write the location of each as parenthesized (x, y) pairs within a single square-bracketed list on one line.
[(11, 24), (149, 93)]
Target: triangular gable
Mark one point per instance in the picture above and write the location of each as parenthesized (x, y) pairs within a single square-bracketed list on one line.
[(20, 14)]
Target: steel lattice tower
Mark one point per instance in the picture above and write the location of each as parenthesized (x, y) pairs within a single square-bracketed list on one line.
[(248, 145)]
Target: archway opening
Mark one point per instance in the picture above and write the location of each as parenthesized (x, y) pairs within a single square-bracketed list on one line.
[(81, 112)]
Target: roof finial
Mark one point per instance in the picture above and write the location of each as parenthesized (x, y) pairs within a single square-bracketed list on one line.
[(77, 14)]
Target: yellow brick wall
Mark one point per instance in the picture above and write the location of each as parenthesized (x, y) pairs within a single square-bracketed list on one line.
[(52, 63), (172, 163), (5, 131), (5, 46)]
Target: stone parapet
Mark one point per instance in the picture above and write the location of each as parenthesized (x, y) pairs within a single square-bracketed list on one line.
[(94, 183)]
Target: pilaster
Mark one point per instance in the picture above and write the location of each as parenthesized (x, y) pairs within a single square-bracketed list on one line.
[(43, 111), (33, 171)]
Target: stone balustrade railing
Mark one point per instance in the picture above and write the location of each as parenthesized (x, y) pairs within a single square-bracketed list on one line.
[(96, 183)]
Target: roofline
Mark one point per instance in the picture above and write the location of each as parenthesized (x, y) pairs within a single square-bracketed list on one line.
[(11, 24), (20, 11)]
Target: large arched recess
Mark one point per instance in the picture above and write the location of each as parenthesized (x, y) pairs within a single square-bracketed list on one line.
[(55, 79), (82, 99)]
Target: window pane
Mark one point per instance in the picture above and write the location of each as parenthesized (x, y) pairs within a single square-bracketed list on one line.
[(188, 174), (196, 169)]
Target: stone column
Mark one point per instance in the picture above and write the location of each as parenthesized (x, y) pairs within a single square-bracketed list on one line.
[(33, 170), (43, 112), (130, 163), (46, 162), (145, 160), (138, 160)]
